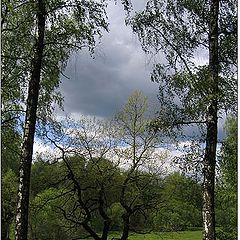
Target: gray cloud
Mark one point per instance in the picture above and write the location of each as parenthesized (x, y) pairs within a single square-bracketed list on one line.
[(99, 86)]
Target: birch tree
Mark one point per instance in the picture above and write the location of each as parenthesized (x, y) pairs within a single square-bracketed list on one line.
[(191, 92), (38, 38)]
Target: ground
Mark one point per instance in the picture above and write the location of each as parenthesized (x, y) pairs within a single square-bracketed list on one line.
[(185, 235)]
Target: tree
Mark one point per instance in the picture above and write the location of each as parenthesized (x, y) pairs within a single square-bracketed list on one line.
[(127, 182), (90, 180), (137, 152), (45, 222), (191, 93), (48, 192), (48, 33), (226, 215), (10, 151), (8, 202), (182, 205)]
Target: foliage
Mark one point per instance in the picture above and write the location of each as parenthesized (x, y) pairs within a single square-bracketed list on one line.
[(10, 152), (45, 175), (227, 187), (191, 92), (70, 26), (45, 221), (178, 198), (181, 208), (116, 211), (190, 162), (8, 201), (10, 149), (182, 79)]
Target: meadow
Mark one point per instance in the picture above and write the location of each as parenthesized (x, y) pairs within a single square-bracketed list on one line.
[(184, 235)]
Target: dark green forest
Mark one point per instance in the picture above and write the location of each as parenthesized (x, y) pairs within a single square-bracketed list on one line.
[(106, 178)]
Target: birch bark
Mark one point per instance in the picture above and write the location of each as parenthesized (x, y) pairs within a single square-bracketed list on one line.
[(212, 119), (21, 228)]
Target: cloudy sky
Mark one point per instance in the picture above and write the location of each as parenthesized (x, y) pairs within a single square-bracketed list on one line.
[(100, 86)]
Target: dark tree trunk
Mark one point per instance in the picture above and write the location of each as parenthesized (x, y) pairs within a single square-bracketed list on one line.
[(127, 214), (106, 228), (209, 179), (5, 230), (107, 220), (211, 139), (91, 231), (126, 222), (29, 129), (84, 224)]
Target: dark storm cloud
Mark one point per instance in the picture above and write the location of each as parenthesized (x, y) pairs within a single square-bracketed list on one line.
[(100, 86)]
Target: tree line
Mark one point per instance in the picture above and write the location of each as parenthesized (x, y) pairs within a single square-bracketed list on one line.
[(106, 178)]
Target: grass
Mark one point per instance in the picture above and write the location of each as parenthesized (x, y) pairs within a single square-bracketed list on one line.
[(185, 235)]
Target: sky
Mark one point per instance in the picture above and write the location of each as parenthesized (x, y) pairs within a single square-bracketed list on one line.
[(100, 86)]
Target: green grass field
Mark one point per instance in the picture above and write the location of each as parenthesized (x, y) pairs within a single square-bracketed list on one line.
[(185, 235)]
